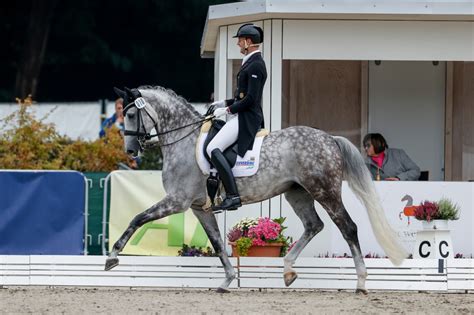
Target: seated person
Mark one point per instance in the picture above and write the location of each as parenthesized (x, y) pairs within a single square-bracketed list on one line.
[(116, 119), (388, 164)]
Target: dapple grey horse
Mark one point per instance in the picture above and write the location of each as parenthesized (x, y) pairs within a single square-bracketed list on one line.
[(304, 163)]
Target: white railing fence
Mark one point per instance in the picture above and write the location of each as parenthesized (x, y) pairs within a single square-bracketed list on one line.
[(207, 272)]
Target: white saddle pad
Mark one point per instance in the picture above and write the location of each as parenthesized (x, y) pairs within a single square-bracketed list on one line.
[(246, 166)]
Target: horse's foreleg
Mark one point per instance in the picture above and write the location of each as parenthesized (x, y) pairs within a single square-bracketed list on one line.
[(164, 208), (209, 223), (303, 205)]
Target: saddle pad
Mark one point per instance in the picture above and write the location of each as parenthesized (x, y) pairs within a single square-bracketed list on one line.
[(246, 166)]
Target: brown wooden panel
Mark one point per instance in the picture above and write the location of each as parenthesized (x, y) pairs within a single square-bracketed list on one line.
[(463, 121), (324, 94)]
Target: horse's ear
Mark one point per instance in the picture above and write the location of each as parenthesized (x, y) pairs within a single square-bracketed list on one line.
[(133, 92), (119, 92)]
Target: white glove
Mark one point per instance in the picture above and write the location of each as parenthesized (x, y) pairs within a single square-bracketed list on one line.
[(218, 104), (220, 111)]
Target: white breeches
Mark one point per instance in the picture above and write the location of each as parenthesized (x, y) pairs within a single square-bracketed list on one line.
[(226, 136)]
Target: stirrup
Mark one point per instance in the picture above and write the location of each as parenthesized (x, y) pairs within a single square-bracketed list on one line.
[(230, 203)]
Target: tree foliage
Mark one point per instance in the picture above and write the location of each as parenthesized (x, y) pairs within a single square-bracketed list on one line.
[(97, 44), (29, 143)]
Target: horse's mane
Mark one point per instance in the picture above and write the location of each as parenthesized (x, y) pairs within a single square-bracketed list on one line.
[(172, 95)]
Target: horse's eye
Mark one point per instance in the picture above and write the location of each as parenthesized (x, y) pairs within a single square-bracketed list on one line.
[(130, 114)]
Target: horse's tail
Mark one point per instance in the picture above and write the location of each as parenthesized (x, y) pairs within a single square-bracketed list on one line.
[(358, 177)]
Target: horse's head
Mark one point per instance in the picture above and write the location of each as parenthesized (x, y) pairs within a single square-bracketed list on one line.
[(408, 199), (139, 119)]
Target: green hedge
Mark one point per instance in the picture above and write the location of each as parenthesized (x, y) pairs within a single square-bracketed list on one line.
[(32, 144)]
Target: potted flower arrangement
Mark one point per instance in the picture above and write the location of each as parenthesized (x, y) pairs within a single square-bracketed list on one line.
[(436, 214), (261, 237), (434, 241)]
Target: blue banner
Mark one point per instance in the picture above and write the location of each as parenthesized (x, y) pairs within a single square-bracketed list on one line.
[(41, 213)]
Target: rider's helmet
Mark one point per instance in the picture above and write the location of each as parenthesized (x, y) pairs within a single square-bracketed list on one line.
[(251, 31)]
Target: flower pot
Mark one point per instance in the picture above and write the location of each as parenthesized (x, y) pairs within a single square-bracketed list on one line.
[(268, 250), (435, 225)]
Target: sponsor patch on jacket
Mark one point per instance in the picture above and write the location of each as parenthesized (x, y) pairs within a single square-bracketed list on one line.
[(254, 76)]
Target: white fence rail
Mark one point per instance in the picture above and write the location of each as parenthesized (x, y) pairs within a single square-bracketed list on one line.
[(207, 272), (337, 273), (460, 274)]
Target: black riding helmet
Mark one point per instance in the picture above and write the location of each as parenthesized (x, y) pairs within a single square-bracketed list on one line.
[(251, 31)]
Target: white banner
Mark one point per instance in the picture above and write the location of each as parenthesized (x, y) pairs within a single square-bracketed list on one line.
[(135, 191), (391, 194), (75, 120), (132, 192)]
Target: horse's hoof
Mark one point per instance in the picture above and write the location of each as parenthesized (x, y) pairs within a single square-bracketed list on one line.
[(362, 291), (111, 263), (289, 277), (222, 290)]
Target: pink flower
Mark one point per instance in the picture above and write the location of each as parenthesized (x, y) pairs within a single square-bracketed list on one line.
[(234, 234), (427, 211), (265, 230)]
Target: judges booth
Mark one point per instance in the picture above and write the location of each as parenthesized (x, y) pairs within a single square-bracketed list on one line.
[(404, 70)]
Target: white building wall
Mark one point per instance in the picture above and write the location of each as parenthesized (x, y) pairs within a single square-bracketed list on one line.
[(406, 105), (373, 40)]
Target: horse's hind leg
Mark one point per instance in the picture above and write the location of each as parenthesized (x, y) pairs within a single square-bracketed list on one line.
[(338, 213), (303, 205), (209, 223)]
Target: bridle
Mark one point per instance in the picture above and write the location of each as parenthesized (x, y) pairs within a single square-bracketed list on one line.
[(143, 136)]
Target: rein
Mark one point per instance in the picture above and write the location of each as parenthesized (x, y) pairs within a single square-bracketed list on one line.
[(140, 103)]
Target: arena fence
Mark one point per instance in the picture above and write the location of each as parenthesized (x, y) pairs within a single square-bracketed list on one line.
[(207, 272)]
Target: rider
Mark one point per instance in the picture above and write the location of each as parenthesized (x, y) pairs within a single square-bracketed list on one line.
[(245, 110)]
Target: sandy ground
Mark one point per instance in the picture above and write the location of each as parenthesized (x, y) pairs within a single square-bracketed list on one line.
[(46, 300)]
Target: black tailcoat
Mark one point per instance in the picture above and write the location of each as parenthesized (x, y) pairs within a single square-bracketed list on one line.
[(247, 101)]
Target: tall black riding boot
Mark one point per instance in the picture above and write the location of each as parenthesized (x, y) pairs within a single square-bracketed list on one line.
[(232, 198)]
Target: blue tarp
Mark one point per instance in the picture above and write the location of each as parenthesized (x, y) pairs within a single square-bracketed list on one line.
[(41, 213)]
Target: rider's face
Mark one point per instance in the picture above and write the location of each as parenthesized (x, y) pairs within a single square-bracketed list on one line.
[(241, 43)]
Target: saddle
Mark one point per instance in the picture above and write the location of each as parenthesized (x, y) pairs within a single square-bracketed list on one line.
[(246, 166), (241, 166)]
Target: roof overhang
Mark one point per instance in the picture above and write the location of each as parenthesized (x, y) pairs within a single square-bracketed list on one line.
[(257, 10)]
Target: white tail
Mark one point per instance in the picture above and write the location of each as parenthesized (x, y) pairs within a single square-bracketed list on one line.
[(358, 177)]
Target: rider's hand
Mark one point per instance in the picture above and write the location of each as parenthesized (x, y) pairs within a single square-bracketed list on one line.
[(219, 104), (220, 112)]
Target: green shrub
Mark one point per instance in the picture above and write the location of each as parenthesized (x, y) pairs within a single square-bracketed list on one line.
[(33, 144), (193, 251), (447, 210), (243, 245), (152, 159)]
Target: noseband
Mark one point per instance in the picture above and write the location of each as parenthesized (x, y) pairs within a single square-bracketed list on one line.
[(143, 136)]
